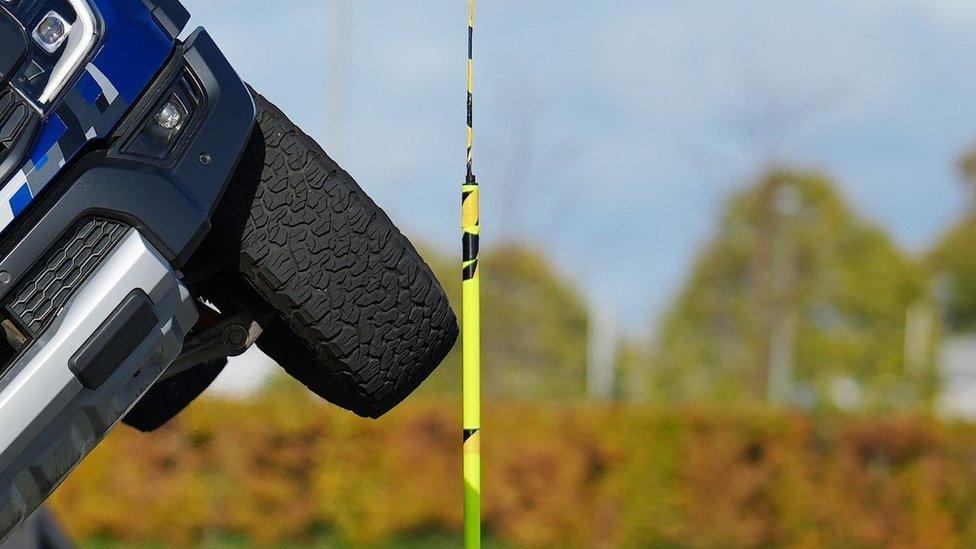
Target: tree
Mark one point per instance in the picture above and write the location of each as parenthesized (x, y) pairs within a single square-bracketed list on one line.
[(953, 260), (794, 294), (534, 327), (967, 170)]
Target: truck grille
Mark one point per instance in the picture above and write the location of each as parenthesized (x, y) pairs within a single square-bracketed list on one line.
[(39, 298), (15, 118)]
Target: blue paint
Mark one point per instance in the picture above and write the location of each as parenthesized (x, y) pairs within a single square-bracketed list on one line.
[(21, 199), (134, 49), (53, 130), (88, 88)]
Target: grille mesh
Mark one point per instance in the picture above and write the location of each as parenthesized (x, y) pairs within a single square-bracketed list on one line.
[(42, 294)]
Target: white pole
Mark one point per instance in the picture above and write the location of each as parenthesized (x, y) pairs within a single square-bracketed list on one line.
[(601, 354)]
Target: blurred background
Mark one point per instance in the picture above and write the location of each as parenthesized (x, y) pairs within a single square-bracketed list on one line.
[(730, 283)]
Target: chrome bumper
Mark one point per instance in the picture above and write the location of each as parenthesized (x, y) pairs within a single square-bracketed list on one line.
[(63, 395)]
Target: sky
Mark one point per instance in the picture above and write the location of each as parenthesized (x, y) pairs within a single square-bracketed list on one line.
[(612, 132)]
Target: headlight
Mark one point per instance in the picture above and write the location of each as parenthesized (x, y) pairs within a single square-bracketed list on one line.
[(63, 35), (51, 31)]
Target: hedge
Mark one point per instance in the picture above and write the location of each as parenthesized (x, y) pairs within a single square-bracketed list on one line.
[(282, 470)]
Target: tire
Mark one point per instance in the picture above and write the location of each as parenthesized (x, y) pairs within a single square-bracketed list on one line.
[(361, 320)]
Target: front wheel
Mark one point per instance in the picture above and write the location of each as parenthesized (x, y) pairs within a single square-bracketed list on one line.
[(359, 317)]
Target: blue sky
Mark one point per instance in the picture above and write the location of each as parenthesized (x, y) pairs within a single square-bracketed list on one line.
[(614, 131)]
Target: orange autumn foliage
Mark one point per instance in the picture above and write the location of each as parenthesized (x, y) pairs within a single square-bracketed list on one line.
[(279, 470)]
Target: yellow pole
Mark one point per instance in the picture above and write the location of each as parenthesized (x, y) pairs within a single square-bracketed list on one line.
[(471, 323)]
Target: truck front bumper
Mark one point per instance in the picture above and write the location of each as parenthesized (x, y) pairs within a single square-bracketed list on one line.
[(89, 276), (115, 336)]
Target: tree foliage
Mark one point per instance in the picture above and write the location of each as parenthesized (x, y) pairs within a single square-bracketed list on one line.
[(953, 262), (793, 276), (534, 327), (281, 472)]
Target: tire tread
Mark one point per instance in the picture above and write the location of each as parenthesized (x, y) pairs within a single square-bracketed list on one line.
[(362, 319)]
